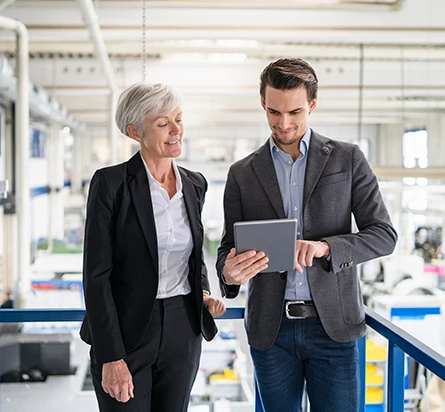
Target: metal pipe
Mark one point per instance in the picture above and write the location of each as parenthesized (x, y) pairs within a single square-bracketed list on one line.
[(23, 200), (360, 95), (91, 21)]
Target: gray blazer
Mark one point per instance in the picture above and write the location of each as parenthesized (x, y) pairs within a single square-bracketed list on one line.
[(338, 183)]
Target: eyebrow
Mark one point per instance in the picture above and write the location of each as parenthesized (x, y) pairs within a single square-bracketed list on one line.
[(290, 111), (166, 117)]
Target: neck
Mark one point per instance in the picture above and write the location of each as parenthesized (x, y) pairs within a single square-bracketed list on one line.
[(161, 168)]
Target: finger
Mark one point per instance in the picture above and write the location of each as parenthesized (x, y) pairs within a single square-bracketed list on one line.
[(125, 397), (256, 267), (246, 258), (111, 393), (131, 389), (232, 253)]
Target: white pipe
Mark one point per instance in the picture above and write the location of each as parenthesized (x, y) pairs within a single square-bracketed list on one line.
[(112, 129), (91, 21), (23, 200)]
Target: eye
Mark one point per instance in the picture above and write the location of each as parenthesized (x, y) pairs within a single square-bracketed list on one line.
[(162, 125)]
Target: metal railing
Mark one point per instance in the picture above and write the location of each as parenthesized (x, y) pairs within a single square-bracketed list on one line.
[(399, 343)]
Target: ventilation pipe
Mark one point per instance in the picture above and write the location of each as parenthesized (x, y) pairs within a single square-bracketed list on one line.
[(23, 202), (91, 21)]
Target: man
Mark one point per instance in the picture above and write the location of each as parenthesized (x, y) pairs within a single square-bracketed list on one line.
[(303, 325)]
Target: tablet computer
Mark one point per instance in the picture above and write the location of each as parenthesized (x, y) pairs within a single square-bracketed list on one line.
[(275, 237)]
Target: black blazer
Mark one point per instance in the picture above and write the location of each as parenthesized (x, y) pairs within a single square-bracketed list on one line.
[(120, 272)]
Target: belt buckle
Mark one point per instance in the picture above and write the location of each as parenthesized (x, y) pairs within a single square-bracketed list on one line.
[(288, 315)]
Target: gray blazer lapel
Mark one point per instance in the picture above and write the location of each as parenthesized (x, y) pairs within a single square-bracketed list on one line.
[(319, 152), (141, 197), (264, 169)]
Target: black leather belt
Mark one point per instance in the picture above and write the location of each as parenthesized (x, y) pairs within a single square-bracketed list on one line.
[(299, 309)]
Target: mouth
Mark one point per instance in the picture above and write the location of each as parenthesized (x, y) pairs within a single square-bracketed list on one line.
[(284, 131), (172, 142)]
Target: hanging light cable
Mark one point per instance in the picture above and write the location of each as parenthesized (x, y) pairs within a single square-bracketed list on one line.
[(144, 52)]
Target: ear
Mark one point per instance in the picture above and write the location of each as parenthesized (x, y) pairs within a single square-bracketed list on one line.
[(312, 105), (133, 132), (263, 103)]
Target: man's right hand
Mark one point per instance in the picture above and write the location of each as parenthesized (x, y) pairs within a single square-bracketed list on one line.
[(117, 380), (239, 269)]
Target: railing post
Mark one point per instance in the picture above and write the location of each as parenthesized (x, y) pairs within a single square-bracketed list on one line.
[(396, 371), (362, 365), (258, 404)]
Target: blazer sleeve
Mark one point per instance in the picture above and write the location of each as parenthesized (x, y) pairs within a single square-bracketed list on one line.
[(106, 337), (376, 236), (232, 214)]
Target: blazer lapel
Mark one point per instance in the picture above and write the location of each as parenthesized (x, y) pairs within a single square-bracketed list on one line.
[(141, 197), (319, 152), (265, 171), (191, 205)]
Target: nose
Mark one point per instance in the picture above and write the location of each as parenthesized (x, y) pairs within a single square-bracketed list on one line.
[(175, 129), (284, 122)]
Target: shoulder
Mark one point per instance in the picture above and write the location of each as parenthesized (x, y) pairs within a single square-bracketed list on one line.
[(338, 147), (197, 178)]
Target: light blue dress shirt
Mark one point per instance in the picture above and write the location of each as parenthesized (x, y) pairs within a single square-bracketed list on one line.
[(290, 177)]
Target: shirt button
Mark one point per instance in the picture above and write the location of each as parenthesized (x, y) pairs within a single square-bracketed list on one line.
[(289, 162), (295, 208), (294, 183), (300, 284), (298, 233)]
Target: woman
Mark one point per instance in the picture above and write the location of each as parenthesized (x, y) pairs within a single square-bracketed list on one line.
[(146, 287)]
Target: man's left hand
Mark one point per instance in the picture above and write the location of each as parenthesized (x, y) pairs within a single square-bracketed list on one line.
[(307, 250), (215, 306)]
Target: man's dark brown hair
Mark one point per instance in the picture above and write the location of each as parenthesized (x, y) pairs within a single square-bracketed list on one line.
[(289, 74)]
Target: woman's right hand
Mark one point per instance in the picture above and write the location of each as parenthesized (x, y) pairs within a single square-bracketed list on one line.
[(117, 380)]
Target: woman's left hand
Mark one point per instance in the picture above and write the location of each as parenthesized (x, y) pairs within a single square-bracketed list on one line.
[(215, 306)]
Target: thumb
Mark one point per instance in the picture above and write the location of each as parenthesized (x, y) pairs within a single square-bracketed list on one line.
[(232, 253)]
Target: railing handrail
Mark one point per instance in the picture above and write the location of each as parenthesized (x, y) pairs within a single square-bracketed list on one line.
[(408, 343)]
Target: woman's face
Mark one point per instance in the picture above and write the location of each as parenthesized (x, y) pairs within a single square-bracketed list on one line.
[(162, 136)]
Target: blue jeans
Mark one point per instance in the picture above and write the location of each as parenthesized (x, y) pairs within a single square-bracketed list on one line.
[(303, 351)]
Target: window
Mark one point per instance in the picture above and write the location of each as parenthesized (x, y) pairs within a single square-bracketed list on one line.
[(37, 142), (415, 148)]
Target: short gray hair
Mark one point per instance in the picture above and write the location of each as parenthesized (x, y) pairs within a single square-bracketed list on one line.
[(144, 100)]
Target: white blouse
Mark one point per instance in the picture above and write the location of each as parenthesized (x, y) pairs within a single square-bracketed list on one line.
[(174, 236)]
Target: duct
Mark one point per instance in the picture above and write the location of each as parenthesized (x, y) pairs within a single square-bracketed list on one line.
[(282, 4), (91, 21), (41, 104)]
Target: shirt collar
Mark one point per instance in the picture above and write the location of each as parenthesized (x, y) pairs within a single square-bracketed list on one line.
[(304, 144), (153, 181)]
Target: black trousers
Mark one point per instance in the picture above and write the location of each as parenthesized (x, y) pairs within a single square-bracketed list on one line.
[(164, 365)]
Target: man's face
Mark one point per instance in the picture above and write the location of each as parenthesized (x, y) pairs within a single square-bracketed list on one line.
[(287, 113)]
